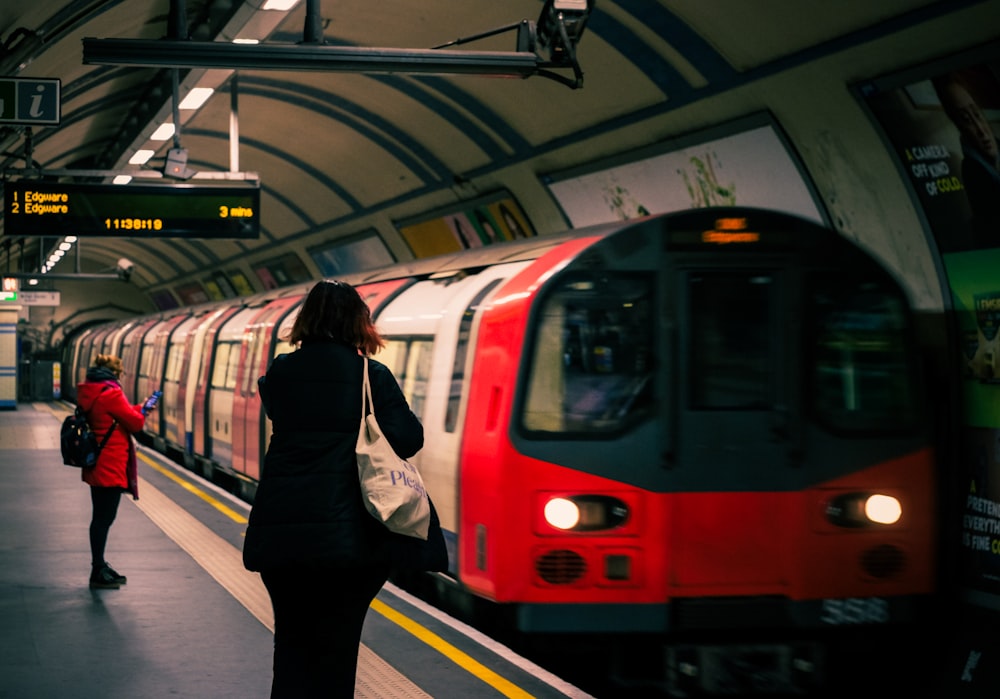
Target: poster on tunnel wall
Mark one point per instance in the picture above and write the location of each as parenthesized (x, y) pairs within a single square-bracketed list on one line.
[(749, 166), (491, 219), (943, 127)]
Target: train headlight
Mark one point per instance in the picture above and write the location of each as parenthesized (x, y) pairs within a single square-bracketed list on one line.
[(883, 509), (864, 509), (562, 513), (585, 513)]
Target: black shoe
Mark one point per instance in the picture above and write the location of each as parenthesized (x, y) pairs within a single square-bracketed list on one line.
[(104, 579), (119, 578)]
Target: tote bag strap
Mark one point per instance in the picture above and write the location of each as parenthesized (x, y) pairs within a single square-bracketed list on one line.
[(366, 394)]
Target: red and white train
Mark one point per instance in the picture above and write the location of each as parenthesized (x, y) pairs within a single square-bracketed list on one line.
[(708, 420)]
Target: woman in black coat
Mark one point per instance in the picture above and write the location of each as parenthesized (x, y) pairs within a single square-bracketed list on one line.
[(321, 555)]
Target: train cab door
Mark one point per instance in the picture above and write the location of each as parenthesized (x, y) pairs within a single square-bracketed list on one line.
[(733, 438)]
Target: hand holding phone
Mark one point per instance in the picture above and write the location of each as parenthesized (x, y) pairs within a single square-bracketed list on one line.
[(151, 402)]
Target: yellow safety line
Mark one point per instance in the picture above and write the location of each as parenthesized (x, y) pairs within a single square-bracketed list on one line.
[(229, 512), (472, 666)]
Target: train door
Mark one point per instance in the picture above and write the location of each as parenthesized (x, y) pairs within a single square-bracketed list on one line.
[(199, 386), (255, 359), (734, 431), (171, 406), (132, 349), (114, 345), (153, 370), (222, 385)]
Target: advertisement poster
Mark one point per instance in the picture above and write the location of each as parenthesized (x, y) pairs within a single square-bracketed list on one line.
[(163, 300), (474, 224), (362, 252), (751, 167), (943, 128), (285, 270)]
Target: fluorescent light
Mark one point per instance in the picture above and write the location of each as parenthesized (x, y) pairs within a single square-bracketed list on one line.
[(141, 156), (66, 246), (121, 179), (197, 97), (70, 239), (163, 132), (246, 41), (279, 5), (32, 282)]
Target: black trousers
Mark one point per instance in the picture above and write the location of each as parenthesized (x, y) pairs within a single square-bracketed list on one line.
[(318, 617), (105, 502)]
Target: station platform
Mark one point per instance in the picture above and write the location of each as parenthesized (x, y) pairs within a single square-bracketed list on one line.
[(191, 621)]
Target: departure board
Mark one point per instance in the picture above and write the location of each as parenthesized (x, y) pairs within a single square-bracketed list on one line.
[(131, 211)]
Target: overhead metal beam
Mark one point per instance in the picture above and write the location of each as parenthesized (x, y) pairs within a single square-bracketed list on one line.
[(77, 276), (168, 53), (134, 173)]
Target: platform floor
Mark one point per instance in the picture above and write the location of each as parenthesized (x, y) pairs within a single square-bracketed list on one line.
[(190, 622)]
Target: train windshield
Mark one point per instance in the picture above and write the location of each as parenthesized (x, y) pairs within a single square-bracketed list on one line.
[(861, 376), (731, 341), (591, 369)]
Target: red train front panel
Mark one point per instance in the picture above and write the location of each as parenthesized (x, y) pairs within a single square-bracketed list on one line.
[(656, 421)]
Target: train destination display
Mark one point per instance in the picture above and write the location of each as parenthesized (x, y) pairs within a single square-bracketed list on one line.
[(131, 211)]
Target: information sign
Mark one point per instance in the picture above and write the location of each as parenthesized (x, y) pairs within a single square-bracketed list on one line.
[(131, 211), (29, 101)]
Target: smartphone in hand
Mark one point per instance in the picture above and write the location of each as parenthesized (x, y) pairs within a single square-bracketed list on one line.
[(151, 402)]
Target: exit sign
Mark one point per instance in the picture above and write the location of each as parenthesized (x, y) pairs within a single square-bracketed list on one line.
[(30, 101)]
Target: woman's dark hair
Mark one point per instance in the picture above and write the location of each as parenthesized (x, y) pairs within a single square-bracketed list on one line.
[(334, 310)]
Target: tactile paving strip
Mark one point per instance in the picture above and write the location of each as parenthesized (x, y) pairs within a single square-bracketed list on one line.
[(376, 678)]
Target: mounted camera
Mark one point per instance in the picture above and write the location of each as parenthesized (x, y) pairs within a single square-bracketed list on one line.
[(124, 268), (560, 27)]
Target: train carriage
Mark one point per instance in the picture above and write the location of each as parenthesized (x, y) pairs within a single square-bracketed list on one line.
[(701, 422)]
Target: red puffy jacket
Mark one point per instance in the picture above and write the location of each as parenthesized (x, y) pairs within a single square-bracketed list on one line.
[(103, 402)]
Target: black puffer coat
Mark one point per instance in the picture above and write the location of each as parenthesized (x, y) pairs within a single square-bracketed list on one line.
[(308, 511)]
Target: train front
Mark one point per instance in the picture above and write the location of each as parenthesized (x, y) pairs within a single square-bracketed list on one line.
[(708, 427)]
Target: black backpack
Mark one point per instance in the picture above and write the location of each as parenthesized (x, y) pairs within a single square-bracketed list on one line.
[(78, 442)]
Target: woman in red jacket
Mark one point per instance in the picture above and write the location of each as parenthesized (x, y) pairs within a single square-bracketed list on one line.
[(102, 399)]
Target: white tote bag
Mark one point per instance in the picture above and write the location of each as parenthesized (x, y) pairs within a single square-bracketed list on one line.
[(391, 487)]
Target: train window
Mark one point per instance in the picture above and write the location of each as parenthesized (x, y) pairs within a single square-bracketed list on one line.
[(281, 343), (729, 345), (861, 374), (417, 376), (222, 353), (591, 355), (146, 362), (175, 354), (233, 366), (393, 355), (282, 347), (409, 358)]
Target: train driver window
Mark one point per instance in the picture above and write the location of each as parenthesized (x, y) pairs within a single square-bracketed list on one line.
[(861, 373), (729, 349), (591, 355)]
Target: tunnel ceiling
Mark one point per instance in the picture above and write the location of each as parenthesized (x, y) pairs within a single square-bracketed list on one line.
[(334, 149)]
